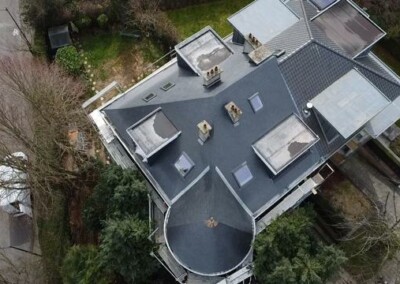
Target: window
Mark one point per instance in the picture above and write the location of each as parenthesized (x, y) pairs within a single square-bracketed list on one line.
[(242, 175), (149, 97), (184, 164), (256, 102), (167, 86)]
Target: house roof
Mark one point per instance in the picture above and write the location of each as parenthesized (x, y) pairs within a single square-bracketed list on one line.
[(312, 63), (229, 146)]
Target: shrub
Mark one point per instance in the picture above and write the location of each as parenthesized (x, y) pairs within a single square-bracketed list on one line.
[(81, 265), (102, 21), (68, 58)]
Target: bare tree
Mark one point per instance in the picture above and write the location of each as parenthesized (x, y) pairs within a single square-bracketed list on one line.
[(40, 104)]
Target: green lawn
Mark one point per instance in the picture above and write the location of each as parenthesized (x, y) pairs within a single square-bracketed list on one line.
[(110, 54), (191, 19)]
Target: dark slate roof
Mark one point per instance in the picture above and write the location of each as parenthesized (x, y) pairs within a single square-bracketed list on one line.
[(209, 223), (229, 146)]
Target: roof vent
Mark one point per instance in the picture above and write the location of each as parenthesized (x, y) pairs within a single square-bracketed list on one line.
[(251, 43), (204, 131), (212, 76), (234, 112)]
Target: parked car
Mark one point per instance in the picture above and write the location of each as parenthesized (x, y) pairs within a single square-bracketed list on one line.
[(15, 195)]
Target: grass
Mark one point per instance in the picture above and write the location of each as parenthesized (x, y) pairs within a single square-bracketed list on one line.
[(190, 20), (110, 54)]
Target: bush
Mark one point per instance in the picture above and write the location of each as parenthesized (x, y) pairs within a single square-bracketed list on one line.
[(82, 266), (68, 58), (125, 249), (102, 21), (119, 193)]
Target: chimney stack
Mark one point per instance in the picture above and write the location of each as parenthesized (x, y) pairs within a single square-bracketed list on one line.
[(212, 76), (234, 112), (204, 130), (251, 43)]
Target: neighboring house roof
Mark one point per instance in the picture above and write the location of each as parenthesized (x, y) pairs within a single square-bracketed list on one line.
[(243, 161)]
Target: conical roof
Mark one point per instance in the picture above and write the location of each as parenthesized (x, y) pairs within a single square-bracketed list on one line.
[(207, 229)]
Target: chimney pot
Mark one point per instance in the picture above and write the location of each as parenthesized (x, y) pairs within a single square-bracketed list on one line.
[(204, 130)]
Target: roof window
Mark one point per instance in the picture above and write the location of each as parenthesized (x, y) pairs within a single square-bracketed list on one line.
[(242, 174), (184, 164), (255, 102), (167, 86)]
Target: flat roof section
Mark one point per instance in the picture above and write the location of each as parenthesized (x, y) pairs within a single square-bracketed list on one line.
[(203, 50), (348, 28), (285, 143), (152, 133), (265, 19), (349, 103), (207, 229), (383, 120)]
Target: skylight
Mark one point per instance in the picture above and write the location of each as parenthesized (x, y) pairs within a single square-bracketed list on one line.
[(167, 86), (256, 102), (149, 97), (184, 164), (242, 175)]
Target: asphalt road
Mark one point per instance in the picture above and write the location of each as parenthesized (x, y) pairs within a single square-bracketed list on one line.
[(11, 40), (19, 246)]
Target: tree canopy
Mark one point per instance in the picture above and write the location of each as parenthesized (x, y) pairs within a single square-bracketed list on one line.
[(287, 252), (119, 193), (125, 249)]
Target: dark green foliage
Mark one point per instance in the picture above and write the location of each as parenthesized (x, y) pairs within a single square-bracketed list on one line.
[(83, 22), (287, 252), (102, 21), (42, 14), (68, 58), (384, 13), (82, 266), (125, 249), (119, 193)]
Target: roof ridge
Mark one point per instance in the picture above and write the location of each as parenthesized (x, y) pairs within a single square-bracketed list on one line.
[(306, 20), (356, 62)]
